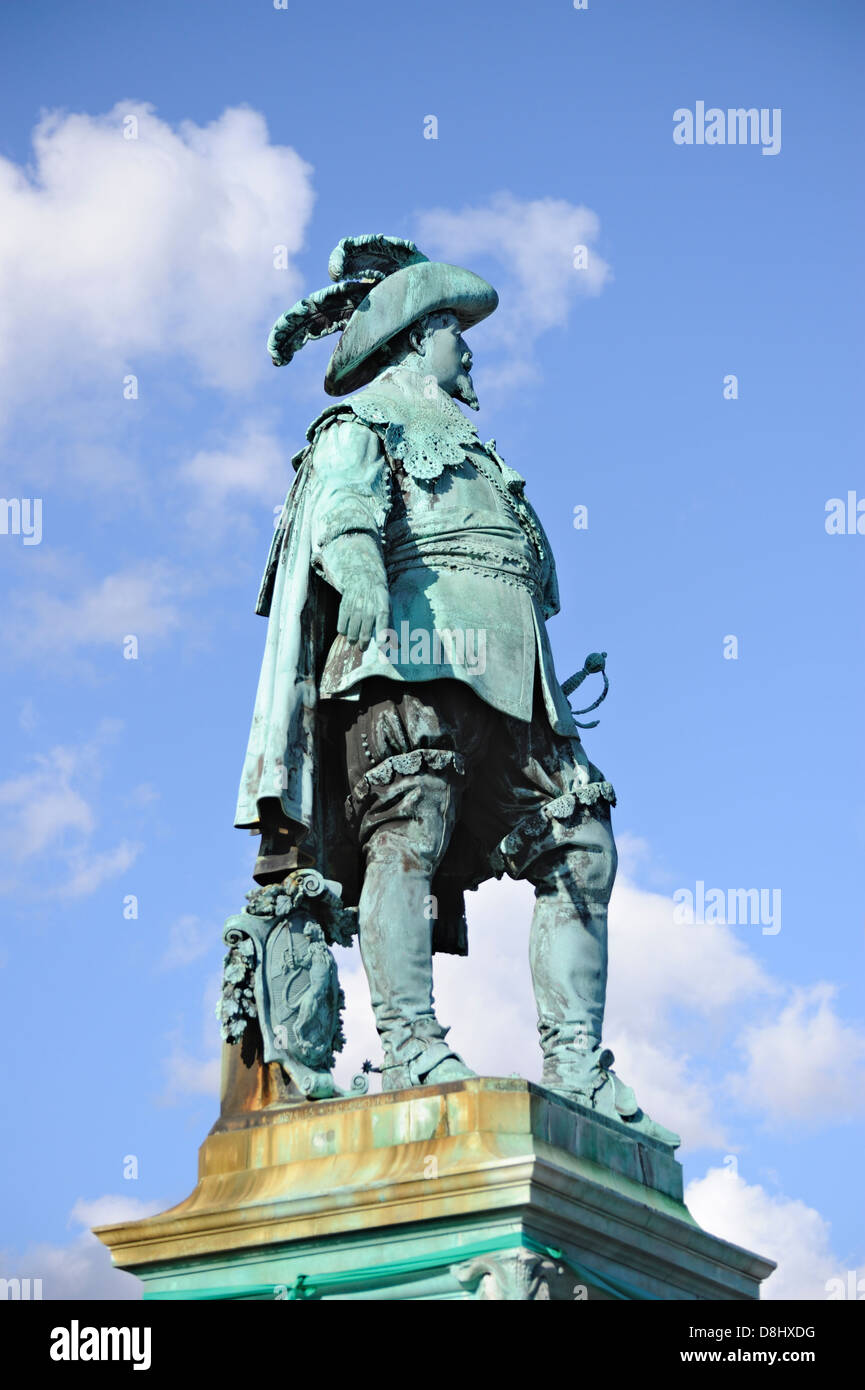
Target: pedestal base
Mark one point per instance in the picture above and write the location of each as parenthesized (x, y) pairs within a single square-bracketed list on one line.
[(488, 1188)]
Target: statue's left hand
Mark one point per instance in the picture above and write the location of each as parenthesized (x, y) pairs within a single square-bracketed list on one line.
[(364, 610), (353, 564)]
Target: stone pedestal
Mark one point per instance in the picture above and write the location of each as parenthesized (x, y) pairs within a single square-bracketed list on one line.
[(489, 1188)]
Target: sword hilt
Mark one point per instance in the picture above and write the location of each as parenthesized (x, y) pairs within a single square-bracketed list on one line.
[(594, 664)]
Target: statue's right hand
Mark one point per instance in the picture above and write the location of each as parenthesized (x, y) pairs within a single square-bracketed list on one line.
[(363, 610)]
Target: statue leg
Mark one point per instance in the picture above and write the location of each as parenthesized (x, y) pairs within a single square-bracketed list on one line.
[(568, 949), (568, 956), (560, 838), (556, 806), (412, 820), (405, 764)]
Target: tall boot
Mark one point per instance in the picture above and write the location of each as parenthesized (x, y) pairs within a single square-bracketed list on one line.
[(395, 930), (568, 957), (568, 960)]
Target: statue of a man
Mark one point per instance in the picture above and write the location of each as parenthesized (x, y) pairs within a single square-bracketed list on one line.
[(410, 738)]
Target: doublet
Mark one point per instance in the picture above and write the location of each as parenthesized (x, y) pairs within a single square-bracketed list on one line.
[(467, 565)]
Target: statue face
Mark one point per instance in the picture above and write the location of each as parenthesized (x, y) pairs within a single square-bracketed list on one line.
[(447, 356)]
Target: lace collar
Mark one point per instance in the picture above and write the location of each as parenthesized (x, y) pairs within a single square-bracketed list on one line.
[(425, 428)]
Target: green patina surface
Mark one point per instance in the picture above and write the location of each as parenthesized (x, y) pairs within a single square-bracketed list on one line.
[(374, 1281)]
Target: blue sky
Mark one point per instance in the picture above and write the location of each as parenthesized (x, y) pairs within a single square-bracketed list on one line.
[(154, 258)]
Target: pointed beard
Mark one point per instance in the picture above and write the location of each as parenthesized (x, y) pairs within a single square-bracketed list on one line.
[(464, 391)]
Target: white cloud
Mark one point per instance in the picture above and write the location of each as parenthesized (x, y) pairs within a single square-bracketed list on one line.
[(805, 1066), (678, 999), (533, 241), (115, 249), (138, 602), (110, 1209), (190, 1073), (252, 467), (785, 1230), (90, 870), (44, 803), (81, 1269), (188, 939), (44, 809), (487, 998), (187, 1075), (673, 1086), (657, 965), (253, 464), (143, 795), (28, 718)]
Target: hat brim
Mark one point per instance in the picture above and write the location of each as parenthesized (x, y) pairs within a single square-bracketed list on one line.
[(394, 305)]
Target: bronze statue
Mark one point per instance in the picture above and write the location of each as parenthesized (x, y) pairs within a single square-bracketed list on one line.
[(410, 737)]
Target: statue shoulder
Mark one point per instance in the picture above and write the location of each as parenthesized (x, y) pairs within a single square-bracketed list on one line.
[(339, 438), (368, 407)]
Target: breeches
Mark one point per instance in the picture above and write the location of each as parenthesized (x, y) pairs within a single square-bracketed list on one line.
[(443, 782)]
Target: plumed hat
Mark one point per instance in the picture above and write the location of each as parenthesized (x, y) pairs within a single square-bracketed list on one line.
[(382, 286)]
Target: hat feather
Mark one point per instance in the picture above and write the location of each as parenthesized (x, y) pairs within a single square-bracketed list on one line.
[(319, 314), (358, 255)]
